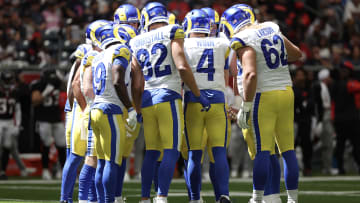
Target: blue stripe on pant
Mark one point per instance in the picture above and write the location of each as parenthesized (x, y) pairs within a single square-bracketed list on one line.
[(175, 124), (256, 122)]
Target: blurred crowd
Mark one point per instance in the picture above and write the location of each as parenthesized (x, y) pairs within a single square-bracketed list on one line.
[(41, 33)]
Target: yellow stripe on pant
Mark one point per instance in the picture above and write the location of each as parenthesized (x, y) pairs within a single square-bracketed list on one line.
[(109, 130)]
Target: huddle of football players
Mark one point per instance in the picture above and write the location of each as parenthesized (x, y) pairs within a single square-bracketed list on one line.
[(147, 69)]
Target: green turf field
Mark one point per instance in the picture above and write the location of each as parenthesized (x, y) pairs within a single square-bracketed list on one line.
[(312, 190)]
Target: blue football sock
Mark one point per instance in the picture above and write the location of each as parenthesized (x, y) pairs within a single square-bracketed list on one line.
[(147, 171), (291, 170), (268, 185), (68, 151), (275, 174), (156, 177), (92, 190), (109, 180), (194, 173), (98, 180), (261, 169), (69, 176), (166, 170), (214, 181), (120, 178), (186, 177), (85, 179), (221, 170)]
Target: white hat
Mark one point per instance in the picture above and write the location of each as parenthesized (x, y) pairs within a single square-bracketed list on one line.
[(324, 73)]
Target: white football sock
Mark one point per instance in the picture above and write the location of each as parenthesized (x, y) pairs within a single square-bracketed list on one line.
[(292, 196), (258, 195)]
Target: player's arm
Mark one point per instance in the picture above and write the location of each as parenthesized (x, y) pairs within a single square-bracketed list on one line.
[(247, 55), (177, 49), (121, 58), (37, 96), (88, 86), (293, 51), (73, 70), (77, 91), (137, 84), (118, 71), (233, 64)]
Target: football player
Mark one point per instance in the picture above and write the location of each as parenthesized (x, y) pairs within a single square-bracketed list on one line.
[(127, 14), (10, 123), (111, 99), (78, 136), (272, 186), (207, 58), (268, 101), (45, 99), (159, 59)]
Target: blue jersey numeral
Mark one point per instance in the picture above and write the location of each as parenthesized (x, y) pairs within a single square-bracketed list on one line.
[(143, 57), (270, 52), (99, 79), (209, 54)]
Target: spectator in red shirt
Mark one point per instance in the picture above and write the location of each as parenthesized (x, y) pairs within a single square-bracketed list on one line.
[(179, 8)]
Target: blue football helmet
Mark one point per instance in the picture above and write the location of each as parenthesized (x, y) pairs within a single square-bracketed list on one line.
[(196, 21), (249, 9), (232, 20), (106, 35), (172, 18), (90, 32), (124, 33), (127, 13), (214, 19), (153, 12)]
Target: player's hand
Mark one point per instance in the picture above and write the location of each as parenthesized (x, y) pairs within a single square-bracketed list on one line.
[(232, 113), (48, 89), (318, 129), (205, 103), (130, 131), (244, 115), (131, 120)]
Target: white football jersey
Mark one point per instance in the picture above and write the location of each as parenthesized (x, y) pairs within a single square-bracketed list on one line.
[(102, 74), (271, 56), (207, 58), (152, 50), (86, 63)]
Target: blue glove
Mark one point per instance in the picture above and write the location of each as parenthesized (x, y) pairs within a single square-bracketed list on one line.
[(205, 103)]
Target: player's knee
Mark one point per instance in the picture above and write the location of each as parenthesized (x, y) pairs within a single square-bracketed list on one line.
[(195, 155), (91, 161)]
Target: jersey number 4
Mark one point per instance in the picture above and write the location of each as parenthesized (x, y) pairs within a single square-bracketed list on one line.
[(143, 56), (209, 54), (270, 52)]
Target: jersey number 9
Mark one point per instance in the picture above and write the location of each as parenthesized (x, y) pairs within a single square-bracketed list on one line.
[(99, 79)]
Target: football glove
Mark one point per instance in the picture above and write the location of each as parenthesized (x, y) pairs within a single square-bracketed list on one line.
[(244, 115), (204, 102), (131, 120)]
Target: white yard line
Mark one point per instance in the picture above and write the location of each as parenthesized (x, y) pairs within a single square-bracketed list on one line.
[(181, 180)]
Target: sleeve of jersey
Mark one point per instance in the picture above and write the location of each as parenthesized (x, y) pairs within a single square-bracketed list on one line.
[(237, 43), (80, 52), (87, 60), (122, 56), (177, 32)]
